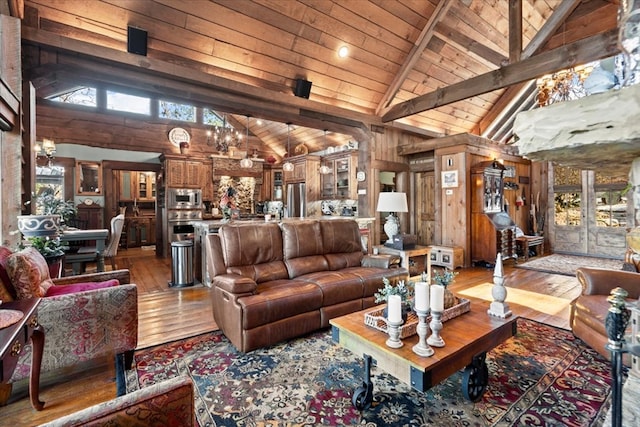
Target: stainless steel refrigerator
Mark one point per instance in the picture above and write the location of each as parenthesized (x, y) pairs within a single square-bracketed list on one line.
[(296, 200)]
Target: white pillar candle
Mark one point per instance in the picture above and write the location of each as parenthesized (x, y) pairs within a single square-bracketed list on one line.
[(422, 296), (394, 304), (437, 298)]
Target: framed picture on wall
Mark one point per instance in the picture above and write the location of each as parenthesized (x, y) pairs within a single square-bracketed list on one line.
[(449, 179)]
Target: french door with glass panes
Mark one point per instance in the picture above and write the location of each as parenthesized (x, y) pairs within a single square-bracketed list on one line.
[(589, 214)]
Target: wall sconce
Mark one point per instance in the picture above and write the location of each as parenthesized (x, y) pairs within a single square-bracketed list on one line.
[(46, 149)]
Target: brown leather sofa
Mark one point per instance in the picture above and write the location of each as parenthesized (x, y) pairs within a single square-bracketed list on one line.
[(589, 310), (275, 282)]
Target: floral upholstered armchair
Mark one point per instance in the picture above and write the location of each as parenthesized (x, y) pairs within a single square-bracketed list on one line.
[(169, 403), (84, 317)]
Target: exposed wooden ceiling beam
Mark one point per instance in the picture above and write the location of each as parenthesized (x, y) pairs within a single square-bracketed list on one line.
[(585, 50), (549, 28), (414, 55), (515, 30), (481, 52), (224, 94)]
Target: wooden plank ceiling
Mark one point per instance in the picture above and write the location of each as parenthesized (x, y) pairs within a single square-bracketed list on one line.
[(242, 57)]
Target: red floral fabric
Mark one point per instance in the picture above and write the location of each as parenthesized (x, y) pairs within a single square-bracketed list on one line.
[(29, 273)]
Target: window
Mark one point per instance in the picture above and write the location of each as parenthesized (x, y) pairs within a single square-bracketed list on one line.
[(611, 201), (128, 103), (80, 96), (50, 180), (175, 111), (210, 117), (567, 188)]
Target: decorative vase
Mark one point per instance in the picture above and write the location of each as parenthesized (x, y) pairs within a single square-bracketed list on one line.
[(449, 299), (39, 225)]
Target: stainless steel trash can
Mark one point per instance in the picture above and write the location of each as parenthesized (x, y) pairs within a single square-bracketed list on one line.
[(181, 263)]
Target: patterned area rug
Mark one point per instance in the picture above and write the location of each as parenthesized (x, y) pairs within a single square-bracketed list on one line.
[(568, 264), (542, 376)]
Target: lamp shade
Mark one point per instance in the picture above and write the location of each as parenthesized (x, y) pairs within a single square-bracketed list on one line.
[(392, 202)]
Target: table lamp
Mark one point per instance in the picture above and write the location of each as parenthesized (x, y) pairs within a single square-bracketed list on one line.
[(392, 202)]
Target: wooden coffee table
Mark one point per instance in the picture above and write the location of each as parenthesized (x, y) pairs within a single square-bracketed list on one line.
[(467, 338)]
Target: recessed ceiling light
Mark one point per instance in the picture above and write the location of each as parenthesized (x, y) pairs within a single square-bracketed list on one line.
[(343, 52)]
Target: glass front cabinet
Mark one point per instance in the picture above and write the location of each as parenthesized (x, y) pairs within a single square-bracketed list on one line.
[(341, 182)]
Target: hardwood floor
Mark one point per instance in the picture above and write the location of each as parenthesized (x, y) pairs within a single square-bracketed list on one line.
[(167, 314)]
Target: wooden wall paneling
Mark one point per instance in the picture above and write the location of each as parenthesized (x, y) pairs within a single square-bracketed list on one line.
[(11, 141), (28, 142)]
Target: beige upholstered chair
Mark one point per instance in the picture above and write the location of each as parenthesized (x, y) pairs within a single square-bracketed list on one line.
[(111, 250)]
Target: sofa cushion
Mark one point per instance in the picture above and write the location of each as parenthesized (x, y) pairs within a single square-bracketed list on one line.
[(340, 236), (302, 246), (277, 300), (337, 286), (80, 287), (29, 273), (253, 251), (7, 292)]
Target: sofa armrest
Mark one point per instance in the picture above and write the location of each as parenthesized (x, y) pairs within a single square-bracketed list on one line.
[(235, 283), (597, 281), (168, 403), (123, 276), (380, 261)]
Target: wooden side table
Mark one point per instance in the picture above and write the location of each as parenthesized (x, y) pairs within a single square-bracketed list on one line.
[(13, 338), (406, 256), (526, 242)]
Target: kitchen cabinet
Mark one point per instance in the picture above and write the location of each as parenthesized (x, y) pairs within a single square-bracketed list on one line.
[(341, 183), (305, 170), (272, 183), (140, 186), (140, 231), (183, 173)]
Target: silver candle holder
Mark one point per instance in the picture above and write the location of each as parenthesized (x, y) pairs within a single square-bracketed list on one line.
[(422, 348), (393, 329), (436, 326)]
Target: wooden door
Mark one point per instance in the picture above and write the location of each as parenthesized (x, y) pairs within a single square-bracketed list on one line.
[(589, 212), (425, 208)]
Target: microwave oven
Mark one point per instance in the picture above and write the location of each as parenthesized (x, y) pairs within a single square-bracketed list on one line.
[(184, 198)]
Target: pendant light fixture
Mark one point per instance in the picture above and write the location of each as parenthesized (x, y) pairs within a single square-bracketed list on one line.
[(246, 163), (288, 166), (324, 169)]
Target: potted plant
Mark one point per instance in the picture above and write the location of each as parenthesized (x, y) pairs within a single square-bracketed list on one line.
[(445, 278), (405, 292), (51, 212)]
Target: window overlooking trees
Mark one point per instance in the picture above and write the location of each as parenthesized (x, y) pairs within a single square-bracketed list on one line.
[(567, 188), (80, 96), (50, 180), (176, 111), (211, 118), (128, 103), (124, 102), (611, 201)]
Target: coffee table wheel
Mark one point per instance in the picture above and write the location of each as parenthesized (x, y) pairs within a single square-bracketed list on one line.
[(475, 378), (363, 395)]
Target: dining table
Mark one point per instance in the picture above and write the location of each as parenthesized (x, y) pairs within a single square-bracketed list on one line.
[(86, 253)]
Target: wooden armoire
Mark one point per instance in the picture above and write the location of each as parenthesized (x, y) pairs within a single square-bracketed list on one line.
[(492, 229)]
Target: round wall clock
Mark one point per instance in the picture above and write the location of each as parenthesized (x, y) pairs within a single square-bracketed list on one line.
[(178, 136)]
